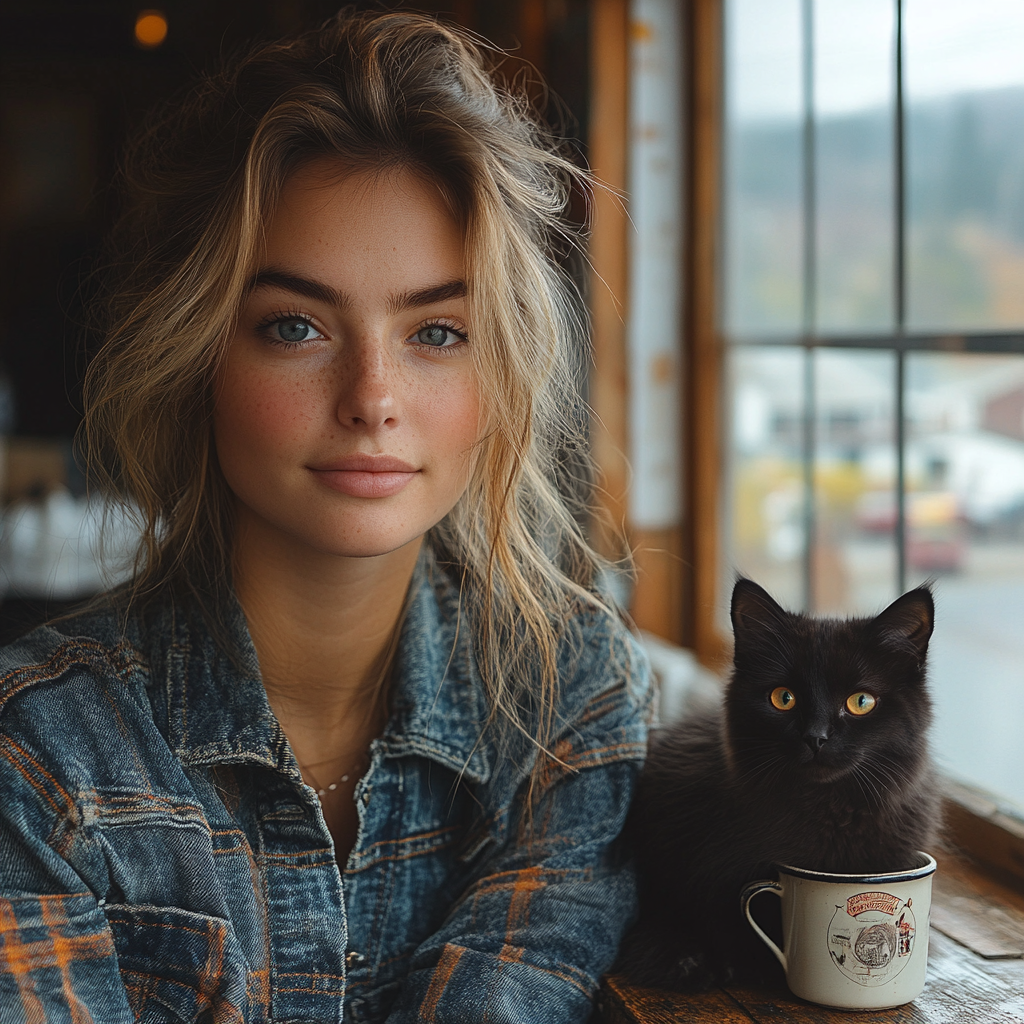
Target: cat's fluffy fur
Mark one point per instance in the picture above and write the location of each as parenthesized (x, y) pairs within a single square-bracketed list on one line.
[(729, 792)]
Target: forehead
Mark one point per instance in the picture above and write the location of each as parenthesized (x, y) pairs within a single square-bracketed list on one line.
[(364, 225)]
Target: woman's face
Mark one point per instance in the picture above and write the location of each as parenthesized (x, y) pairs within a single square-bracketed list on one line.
[(347, 407)]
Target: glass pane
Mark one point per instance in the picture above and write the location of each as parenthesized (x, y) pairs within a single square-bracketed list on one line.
[(763, 247), (853, 99), (965, 476), (767, 493), (965, 164), (854, 482)]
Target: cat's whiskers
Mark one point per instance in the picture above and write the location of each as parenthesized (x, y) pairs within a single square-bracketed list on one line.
[(783, 763), (877, 784), (855, 775), (753, 768), (867, 788), (889, 771), (769, 771), (898, 768)]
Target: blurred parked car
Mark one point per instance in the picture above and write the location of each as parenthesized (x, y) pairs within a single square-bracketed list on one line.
[(936, 540)]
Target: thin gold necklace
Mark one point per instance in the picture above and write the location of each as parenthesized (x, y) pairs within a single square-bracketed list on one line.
[(321, 791)]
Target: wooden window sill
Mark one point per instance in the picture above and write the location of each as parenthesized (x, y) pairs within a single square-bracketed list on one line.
[(975, 970)]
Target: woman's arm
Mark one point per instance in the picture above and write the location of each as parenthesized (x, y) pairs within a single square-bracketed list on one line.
[(530, 938), (57, 957)]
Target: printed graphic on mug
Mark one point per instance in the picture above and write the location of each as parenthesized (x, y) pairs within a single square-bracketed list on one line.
[(871, 937)]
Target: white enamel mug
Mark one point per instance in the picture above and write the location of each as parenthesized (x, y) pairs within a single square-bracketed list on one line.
[(856, 942)]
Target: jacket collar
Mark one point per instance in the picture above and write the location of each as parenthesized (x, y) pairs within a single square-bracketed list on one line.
[(213, 709)]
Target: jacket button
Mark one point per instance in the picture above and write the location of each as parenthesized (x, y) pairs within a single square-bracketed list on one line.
[(353, 958), (366, 798)]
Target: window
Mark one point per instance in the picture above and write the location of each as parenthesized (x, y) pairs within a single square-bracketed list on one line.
[(872, 300)]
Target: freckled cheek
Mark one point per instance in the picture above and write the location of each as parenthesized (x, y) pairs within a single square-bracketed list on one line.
[(262, 410), (450, 421)]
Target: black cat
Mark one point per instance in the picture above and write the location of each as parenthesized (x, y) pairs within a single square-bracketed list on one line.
[(817, 757)]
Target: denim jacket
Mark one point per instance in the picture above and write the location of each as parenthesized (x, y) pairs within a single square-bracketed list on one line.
[(161, 858)]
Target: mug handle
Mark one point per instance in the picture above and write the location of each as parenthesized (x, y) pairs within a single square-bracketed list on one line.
[(749, 892)]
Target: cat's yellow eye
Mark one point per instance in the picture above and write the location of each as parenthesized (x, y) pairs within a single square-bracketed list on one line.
[(860, 703), (783, 699)]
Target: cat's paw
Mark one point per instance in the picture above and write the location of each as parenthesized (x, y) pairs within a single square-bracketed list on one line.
[(653, 957), (691, 972)]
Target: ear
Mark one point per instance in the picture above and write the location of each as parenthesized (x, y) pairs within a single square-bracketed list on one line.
[(754, 611), (908, 622)]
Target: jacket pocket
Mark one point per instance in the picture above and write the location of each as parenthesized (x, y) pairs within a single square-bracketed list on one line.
[(178, 966)]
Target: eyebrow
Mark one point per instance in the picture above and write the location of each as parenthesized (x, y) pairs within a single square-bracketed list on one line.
[(318, 291)]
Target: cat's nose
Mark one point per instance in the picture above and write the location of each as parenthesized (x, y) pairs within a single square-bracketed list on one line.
[(815, 739)]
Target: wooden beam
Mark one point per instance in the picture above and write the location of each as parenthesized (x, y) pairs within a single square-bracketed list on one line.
[(608, 128), (704, 363)]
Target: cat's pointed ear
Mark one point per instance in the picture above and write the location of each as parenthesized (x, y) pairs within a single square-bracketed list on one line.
[(754, 610), (908, 622)]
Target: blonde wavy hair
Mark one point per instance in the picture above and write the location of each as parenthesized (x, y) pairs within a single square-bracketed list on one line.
[(371, 90)]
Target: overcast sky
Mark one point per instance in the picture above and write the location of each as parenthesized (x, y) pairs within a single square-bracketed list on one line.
[(951, 46)]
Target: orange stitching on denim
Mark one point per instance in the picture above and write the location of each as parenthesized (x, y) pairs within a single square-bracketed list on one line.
[(257, 988), (511, 954), (70, 653), (218, 1008), (397, 858), (224, 849), (295, 854), (551, 769), (69, 809), (311, 991), (518, 916), (507, 880), (121, 802), (215, 926), (450, 957), (412, 839), (626, 751), (306, 974), (585, 988), (597, 707), (213, 969), (514, 954)]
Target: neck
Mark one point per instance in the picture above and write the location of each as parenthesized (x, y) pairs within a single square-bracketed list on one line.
[(324, 629)]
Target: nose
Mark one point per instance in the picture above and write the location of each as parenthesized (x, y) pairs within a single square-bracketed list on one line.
[(815, 737), (367, 394)]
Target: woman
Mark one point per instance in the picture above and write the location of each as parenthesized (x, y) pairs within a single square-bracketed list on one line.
[(358, 738)]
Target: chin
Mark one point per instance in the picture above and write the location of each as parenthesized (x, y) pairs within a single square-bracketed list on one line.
[(366, 546), (357, 536), (821, 772)]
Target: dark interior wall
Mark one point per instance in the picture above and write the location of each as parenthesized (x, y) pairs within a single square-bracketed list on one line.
[(73, 84)]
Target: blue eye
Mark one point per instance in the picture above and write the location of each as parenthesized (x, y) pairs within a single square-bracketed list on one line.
[(288, 329), (293, 330), (438, 336)]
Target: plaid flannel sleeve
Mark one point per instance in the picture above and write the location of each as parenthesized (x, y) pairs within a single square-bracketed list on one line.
[(57, 957), (530, 938)]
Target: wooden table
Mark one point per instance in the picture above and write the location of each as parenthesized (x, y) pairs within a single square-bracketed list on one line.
[(975, 971)]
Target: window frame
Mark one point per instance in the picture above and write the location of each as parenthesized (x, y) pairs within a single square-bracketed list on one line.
[(680, 582)]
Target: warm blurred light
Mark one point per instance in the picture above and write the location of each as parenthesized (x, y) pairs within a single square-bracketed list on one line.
[(150, 29)]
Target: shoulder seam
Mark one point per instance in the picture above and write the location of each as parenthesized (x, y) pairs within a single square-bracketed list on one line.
[(120, 660)]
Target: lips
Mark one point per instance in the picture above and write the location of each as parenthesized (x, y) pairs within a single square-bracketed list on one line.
[(365, 476)]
